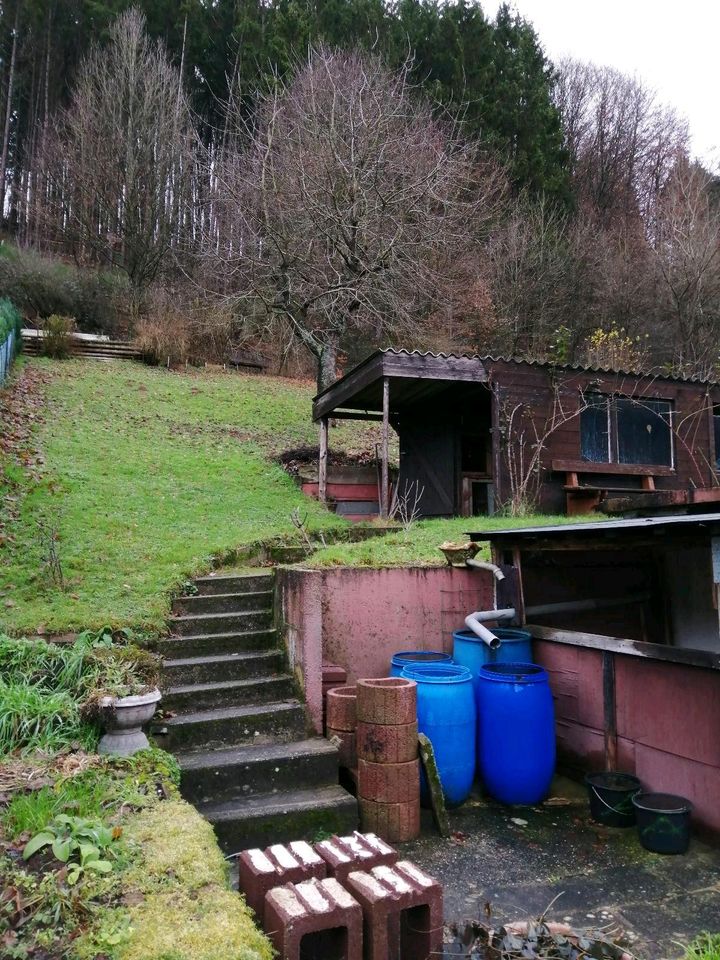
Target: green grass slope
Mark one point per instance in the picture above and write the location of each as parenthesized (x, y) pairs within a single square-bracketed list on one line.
[(146, 475)]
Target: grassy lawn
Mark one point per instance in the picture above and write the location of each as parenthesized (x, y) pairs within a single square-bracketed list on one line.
[(418, 546), (144, 475)]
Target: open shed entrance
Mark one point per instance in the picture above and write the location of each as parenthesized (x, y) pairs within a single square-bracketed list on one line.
[(441, 409)]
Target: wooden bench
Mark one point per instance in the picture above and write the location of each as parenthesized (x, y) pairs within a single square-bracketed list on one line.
[(582, 497)]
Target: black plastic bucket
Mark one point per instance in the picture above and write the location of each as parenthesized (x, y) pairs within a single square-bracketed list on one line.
[(611, 798), (663, 821)]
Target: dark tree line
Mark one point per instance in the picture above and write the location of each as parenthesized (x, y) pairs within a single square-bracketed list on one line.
[(344, 173)]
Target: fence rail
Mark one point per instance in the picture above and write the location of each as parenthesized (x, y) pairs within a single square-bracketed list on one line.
[(7, 355)]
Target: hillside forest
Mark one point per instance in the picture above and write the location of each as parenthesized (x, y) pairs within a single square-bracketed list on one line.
[(308, 181)]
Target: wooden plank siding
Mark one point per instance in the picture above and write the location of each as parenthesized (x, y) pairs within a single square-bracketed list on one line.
[(534, 387)]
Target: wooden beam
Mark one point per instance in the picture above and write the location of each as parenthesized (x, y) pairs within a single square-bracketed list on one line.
[(384, 505), (628, 469), (609, 710), (355, 415), (322, 461)]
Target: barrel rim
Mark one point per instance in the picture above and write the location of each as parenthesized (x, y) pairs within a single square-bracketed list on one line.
[(443, 673), (501, 672), (500, 632), (683, 805), (442, 657)]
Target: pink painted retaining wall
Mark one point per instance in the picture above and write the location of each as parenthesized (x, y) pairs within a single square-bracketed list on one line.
[(668, 722), (358, 618)]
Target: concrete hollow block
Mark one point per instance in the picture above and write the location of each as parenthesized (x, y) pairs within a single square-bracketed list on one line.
[(347, 747), (261, 870), (360, 851), (389, 782), (381, 743), (387, 700), (341, 708), (394, 822), (314, 920), (402, 912)]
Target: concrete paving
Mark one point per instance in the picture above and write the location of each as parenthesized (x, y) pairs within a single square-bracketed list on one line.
[(511, 863)]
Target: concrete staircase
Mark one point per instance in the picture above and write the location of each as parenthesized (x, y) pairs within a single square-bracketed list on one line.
[(238, 729)]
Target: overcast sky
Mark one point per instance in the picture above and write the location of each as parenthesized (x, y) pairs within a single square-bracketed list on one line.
[(673, 46)]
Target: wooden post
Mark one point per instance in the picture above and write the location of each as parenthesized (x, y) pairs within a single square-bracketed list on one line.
[(609, 710), (384, 505), (322, 461)]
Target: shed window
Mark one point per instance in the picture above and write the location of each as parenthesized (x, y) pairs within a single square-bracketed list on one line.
[(621, 430)]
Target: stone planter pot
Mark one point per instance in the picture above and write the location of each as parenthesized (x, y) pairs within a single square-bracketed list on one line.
[(123, 719)]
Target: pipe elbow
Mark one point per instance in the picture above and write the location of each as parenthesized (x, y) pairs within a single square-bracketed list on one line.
[(486, 565)]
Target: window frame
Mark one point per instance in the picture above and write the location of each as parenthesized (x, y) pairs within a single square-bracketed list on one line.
[(610, 402)]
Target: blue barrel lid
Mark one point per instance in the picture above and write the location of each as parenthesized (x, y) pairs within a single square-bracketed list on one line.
[(513, 673), (420, 657), (437, 673), (505, 634)]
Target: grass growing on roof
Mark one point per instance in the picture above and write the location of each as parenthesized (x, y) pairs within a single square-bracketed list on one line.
[(146, 475), (418, 546)]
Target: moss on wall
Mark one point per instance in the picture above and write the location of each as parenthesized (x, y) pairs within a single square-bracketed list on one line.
[(175, 902)]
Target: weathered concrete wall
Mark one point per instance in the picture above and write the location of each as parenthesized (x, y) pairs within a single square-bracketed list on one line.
[(667, 715), (358, 617)]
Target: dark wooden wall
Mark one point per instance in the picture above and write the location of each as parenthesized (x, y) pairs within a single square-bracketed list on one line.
[(535, 387)]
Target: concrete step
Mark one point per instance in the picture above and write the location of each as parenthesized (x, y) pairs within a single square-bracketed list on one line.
[(262, 819), (236, 773), (235, 641), (251, 582), (222, 726), (218, 667), (222, 603), (205, 623), (225, 693)]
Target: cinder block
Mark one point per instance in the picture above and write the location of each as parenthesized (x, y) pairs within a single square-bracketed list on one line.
[(389, 782), (402, 912), (397, 743), (394, 822), (317, 918), (341, 708), (361, 851), (261, 870), (347, 749), (387, 700)]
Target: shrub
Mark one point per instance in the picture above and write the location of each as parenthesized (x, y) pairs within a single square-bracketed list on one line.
[(10, 320), (57, 341)]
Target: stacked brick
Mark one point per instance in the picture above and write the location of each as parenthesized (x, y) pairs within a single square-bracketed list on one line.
[(341, 723), (388, 764), (347, 899)]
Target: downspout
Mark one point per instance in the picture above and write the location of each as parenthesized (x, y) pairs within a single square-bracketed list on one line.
[(474, 620)]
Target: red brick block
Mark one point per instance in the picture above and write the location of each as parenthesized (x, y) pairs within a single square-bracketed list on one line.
[(387, 744), (387, 700), (332, 673), (394, 822), (402, 912), (389, 782), (261, 870), (341, 708), (347, 749), (316, 919), (343, 855)]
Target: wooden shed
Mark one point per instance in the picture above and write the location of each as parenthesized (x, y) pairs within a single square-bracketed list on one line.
[(477, 432)]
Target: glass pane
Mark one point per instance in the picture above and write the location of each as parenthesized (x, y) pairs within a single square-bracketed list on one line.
[(643, 431), (594, 430), (716, 422)]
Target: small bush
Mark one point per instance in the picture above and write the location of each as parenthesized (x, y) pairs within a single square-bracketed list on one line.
[(10, 320), (57, 340)]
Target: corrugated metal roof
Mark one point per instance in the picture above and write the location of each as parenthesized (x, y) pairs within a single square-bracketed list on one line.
[(602, 526), (655, 373)]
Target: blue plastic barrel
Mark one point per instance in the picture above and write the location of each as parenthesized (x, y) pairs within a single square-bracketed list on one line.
[(447, 717), (473, 653), (411, 658), (516, 739)]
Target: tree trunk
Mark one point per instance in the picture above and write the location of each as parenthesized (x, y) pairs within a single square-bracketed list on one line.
[(327, 363), (8, 111)]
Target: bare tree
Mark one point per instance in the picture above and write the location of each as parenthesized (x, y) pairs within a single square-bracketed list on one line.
[(687, 255), (349, 208), (118, 167)]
